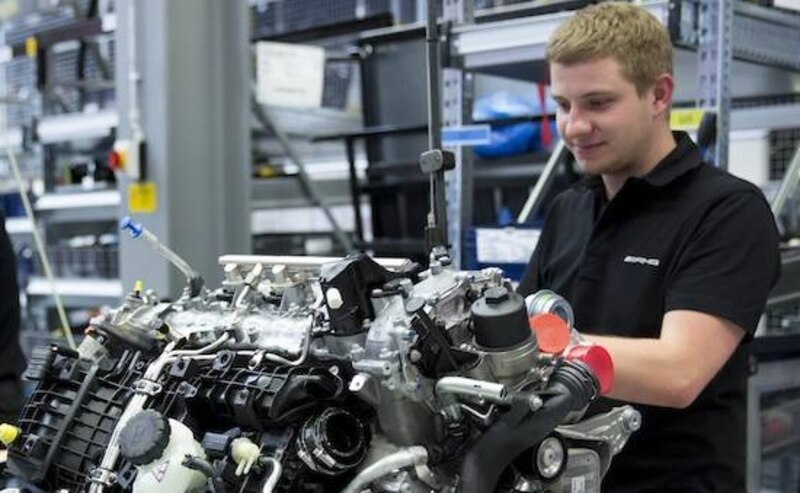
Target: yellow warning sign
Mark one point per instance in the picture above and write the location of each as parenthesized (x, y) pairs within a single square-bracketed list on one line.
[(143, 198), (686, 119)]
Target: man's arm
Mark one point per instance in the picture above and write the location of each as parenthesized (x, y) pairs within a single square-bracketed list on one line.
[(672, 370)]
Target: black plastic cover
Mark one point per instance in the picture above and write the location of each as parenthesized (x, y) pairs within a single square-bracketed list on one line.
[(355, 277), (68, 420), (262, 398), (500, 320)]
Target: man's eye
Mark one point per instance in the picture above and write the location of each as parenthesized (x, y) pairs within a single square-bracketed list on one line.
[(599, 103), (563, 106)]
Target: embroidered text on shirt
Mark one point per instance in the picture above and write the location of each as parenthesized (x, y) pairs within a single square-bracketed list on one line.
[(632, 259)]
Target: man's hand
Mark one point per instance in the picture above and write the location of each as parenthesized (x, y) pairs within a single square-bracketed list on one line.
[(671, 371)]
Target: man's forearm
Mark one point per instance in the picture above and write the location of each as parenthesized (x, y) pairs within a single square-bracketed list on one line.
[(647, 372), (672, 370)]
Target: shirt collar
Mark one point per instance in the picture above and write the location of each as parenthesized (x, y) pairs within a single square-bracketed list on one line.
[(685, 157)]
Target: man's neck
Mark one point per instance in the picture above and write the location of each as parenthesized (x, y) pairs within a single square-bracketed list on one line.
[(663, 145)]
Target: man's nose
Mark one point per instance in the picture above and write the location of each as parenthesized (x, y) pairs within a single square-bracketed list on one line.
[(576, 125)]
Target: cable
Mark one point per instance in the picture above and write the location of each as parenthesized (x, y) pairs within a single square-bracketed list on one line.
[(48, 272)]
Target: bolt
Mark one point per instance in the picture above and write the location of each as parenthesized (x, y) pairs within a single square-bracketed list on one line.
[(535, 402), (415, 356), (632, 420)]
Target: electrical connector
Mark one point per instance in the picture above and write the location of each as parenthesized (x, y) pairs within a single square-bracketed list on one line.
[(245, 453)]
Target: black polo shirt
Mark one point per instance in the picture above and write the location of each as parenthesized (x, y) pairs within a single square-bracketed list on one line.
[(685, 236)]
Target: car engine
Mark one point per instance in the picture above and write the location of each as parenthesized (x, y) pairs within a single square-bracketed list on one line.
[(302, 374)]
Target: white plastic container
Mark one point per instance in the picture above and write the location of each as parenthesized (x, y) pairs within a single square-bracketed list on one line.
[(166, 474)]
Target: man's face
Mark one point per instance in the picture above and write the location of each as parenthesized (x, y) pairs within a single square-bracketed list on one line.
[(601, 118)]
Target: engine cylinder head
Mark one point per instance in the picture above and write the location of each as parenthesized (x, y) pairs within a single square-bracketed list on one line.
[(333, 442)]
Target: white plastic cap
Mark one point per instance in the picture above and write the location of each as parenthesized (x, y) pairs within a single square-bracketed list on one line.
[(334, 297)]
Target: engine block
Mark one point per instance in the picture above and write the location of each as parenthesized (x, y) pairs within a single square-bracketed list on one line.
[(321, 375)]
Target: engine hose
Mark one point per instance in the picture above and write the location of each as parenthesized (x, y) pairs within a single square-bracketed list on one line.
[(202, 465), (573, 387), (274, 475), (407, 457)]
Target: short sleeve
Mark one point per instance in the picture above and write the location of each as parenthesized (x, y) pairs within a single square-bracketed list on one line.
[(532, 279), (730, 263)]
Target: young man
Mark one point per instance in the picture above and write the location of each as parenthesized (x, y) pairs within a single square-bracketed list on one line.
[(667, 261)]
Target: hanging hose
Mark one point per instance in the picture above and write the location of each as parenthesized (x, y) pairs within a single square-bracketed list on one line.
[(48, 272), (193, 279)]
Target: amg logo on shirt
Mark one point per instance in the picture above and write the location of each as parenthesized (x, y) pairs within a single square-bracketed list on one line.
[(632, 259)]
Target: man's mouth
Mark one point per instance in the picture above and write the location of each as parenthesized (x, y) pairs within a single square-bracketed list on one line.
[(586, 147), (586, 151)]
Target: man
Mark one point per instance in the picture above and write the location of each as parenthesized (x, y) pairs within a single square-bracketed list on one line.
[(12, 362), (667, 261)]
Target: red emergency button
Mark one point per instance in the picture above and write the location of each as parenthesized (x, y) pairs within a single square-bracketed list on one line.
[(598, 359), (115, 160)]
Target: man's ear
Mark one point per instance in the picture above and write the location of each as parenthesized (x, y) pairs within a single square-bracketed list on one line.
[(663, 91)]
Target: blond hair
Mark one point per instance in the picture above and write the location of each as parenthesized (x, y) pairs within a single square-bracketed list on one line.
[(625, 32)]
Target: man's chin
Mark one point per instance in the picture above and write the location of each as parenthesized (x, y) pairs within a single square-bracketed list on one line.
[(592, 168)]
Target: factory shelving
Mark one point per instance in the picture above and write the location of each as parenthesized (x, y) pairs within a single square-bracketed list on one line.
[(16, 226), (292, 193), (59, 73), (511, 47), (78, 292), (76, 126)]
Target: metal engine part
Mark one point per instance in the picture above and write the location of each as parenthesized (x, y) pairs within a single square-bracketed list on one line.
[(324, 375)]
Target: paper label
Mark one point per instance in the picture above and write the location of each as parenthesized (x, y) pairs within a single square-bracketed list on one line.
[(505, 246), (289, 74), (467, 135)]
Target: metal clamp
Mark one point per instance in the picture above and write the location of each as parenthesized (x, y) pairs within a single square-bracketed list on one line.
[(102, 476), (149, 387)]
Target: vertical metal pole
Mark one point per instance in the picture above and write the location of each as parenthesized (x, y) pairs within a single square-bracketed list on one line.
[(354, 190), (714, 58), (437, 216)]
